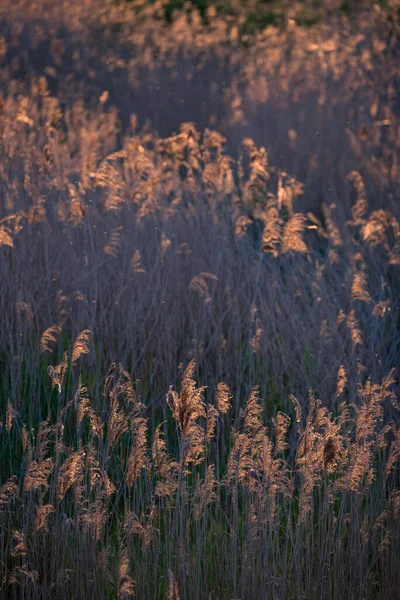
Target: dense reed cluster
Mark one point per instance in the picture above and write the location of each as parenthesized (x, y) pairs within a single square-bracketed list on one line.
[(181, 203), (100, 507)]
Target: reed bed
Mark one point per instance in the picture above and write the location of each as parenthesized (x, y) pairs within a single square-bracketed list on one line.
[(199, 304)]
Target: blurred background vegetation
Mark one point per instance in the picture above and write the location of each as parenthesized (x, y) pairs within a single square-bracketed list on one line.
[(256, 15)]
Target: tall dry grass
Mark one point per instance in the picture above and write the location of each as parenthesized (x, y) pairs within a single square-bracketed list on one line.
[(259, 246), (100, 507)]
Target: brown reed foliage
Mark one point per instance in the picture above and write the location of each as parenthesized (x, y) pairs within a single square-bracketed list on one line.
[(247, 233), (333, 456), (125, 582)]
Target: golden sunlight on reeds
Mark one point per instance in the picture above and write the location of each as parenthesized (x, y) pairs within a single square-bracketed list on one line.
[(199, 300)]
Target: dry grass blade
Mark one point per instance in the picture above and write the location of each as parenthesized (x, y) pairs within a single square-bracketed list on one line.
[(118, 422), (199, 284), (10, 414), (57, 373), (49, 337), (224, 398), (186, 408), (5, 237), (341, 381), (298, 411), (82, 402), (360, 208), (113, 244), (253, 424), (143, 527), (204, 493), (165, 468), (136, 262), (38, 475), (173, 590), (76, 206), (332, 231), (271, 240), (126, 585), (354, 328), (394, 452), (292, 240), (138, 457), (71, 472), (359, 288), (42, 513), (282, 424), (19, 544), (81, 345), (8, 491)]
